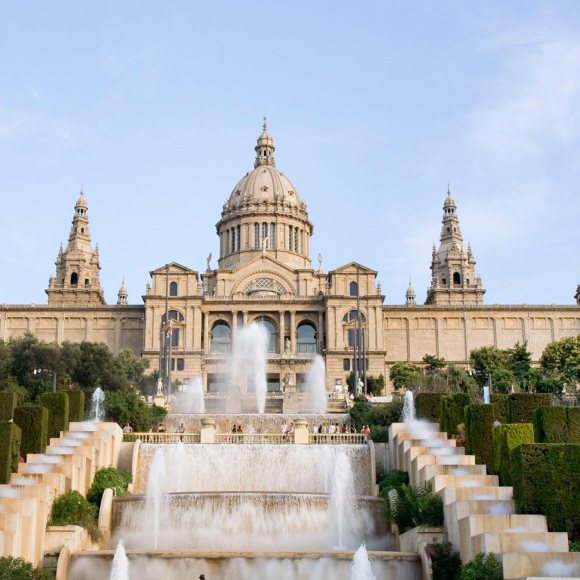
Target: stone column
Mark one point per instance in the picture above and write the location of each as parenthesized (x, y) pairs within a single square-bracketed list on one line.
[(234, 321), (293, 332), (206, 333), (282, 331), (208, 431), (320, 332), (301, 432)]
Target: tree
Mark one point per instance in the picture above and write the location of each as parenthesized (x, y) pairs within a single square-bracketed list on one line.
[(125, 406), (97, 367), (489, 360), (405, 375), (132, 366), (433, 363), (520, 362), (560, 362)]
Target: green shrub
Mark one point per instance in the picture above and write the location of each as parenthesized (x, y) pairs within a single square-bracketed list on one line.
[(428, 406), (546, 480), (557, 424), (452, 412), (478, 426), (500, 407), (10, 436), (18, 569), (33, 420), (378, 417), (8, 402), (574, 546), (482, 567), (393, 480), (505, 439), (71, 508), (76, 405), (108, 477), (521, 406), (58, 412), (416, 506), (445, 561)]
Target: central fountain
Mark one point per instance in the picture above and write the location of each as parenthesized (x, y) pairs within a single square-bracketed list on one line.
[(261, 505)]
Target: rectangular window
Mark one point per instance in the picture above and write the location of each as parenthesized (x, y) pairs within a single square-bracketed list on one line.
[(257, 236), (180, 364), (264, 232), (297, 241), (175, 337), (273, 236), (233, 240), (346, 364), (291, 238), (238, 236), (351, 338)]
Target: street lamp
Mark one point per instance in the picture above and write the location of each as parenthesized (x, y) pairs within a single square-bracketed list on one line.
[(486, 388)]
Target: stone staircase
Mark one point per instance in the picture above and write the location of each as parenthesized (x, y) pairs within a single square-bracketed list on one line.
[(479, 514)]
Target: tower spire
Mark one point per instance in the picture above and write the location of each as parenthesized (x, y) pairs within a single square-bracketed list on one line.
[(265, 147)]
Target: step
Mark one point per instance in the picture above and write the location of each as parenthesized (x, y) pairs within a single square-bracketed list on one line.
[(429, 459), (439, 482), (428, 472), (474, 525), (541, 564), (500, 542), (477, 493)]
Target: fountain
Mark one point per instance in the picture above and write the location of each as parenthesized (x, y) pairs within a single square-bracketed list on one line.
[(361, 565), (342, 501), (316, 396), (155, 494), (408, 407), (120, 567), (247, 365), (191, 399), (97, 409)]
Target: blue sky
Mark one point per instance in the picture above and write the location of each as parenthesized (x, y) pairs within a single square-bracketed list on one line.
[(373, 107)]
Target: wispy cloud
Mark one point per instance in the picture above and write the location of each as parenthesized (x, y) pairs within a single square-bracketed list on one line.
[(31, 125)]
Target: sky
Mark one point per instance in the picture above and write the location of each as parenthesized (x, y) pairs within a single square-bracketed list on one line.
[(375, 107)]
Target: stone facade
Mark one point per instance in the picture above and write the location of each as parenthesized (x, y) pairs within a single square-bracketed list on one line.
[(264, 274)]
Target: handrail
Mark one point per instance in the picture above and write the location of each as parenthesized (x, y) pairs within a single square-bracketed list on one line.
[(338, 438), (162, 437), (268, 438)]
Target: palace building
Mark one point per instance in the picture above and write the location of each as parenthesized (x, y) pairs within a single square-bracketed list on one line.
[(188, 319)]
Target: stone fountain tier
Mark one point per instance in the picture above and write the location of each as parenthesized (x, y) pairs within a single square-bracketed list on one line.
[(251, 423), (303, 565), (247, 521), (254, 468)]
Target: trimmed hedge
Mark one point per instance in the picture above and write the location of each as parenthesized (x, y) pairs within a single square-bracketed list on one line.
[(478, 427), (76, 405), (428, 406), (521, 406), (546, 480), (8, 402), (58, 412), (505, 439), (452, 412), (557, 424), (10, 435), (33, 420), (500, 405)]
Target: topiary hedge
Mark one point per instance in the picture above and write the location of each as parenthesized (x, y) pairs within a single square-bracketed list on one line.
[(546, 480), (58, 412), (452, 412), (106, 477), (505, 439), (428, 406), (10, 435), (76, 405), (33, 420), (500, 406), (478, 426), (72, 509), (521, 406), (8, 402), (557, 424)]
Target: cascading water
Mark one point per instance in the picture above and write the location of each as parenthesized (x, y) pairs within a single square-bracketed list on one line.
[(191, 399), (156, 487), (316, 400), (97, 409), (361, 565), (247, 365), (120, 568), (342, 502), (408, 407)]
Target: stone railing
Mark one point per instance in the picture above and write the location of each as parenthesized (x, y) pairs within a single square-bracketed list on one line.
[(338, 438), (162, 437), (271, 438)]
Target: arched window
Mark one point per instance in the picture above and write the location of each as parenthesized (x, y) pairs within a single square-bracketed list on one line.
[(306, 338), (221, 338), (353, 289), (74, 279), (353, 315), (173, 289), (272, 333), (456, 278), (173, 315)]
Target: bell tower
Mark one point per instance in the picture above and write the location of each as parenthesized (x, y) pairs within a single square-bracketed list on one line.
[(77, 267), (453, 278)]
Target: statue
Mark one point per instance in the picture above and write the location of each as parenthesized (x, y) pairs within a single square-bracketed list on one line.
[(319, 263), (264, 245), (208, 262), (577, 295), (287, 346), (159, 387)]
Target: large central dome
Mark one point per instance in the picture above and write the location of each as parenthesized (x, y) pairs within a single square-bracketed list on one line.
[(265, 182), (264, 214)]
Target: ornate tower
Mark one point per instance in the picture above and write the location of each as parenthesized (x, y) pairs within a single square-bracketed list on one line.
[(122, 296), (410, 295), (77, 267), (453, 279)]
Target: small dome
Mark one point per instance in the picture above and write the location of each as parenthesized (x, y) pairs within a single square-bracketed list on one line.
[(81, 201), (449, 201)]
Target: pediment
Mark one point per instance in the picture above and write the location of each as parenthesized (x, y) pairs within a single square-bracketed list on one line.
[(352, 268), (172, 268)]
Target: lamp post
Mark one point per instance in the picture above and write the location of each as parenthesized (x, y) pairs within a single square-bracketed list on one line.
[(486, 388)]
